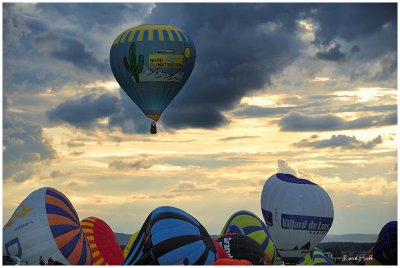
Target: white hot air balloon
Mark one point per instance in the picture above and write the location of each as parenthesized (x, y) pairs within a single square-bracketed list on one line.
[(46, 224), (298, 213)]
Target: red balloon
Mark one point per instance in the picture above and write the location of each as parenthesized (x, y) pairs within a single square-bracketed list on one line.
[(221, 254), (103, 243)]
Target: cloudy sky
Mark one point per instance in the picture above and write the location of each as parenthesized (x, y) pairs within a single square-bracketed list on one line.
[(306, 89)]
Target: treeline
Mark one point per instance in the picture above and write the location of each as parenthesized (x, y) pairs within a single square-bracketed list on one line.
[(345, 248)]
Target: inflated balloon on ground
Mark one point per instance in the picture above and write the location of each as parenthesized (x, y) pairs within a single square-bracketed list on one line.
[(247, 223), (102, 241), (385, 248), (46, 224), (242, 247), (315, 257), (298, 214), (130, 243), (171, 236)]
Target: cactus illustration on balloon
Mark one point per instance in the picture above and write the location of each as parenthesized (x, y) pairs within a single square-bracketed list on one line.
[(134, 69)]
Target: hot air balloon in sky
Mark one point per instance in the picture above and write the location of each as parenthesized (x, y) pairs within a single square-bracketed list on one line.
[(242, 247), (130, 243), (46, 224), (170, 236), (102, 241), (247, 223), (151, 63), (315, 257), (298, 214)]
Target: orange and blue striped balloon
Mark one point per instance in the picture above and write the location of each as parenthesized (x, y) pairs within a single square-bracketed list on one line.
[(64, 225)]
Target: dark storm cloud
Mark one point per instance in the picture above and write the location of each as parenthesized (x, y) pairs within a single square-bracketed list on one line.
[(339, 141), (371, 29), (353, 21), (128, 117), (239, 46), (295, 121), (198, 117), (332, 54), (23, 145), (71, 50), (40, 40), (92, 15), (85, 111)]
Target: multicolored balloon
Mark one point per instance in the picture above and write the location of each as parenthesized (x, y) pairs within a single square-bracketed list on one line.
[(46, 224), (151, 63), (298, 214), (247, 223), (315, 257), (130, 243), (170, 236), (102, 241), (242, 247), (221, 254)]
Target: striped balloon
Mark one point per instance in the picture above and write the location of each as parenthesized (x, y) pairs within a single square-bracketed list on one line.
[(315, 257), (247, 223), (130, 243), (46, 224), (170, 236), (102, 241), (242, 247)]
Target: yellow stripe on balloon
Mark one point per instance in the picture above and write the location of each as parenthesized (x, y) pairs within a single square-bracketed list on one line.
[(124, 37), (85, 223), (258, 236), (88, 231), (95, 253), (130, 39), (177, 34), (140, 37), (100, 261), (92, 246), (170, 36)]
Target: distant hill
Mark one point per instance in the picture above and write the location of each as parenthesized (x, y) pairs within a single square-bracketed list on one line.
[(341, 248), (122, 238), (354, 238)]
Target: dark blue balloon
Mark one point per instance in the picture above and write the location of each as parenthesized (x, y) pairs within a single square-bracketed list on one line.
[(385, 248), (170, 236)]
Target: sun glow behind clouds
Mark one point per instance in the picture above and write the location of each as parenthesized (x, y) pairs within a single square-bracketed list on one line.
[(264, 101), (366, 94), (109, 85)]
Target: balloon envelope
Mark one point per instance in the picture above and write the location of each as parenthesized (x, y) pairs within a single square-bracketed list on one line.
[(46, 224), (102, 241), (170, 236), (385, 248), (242, 247), (221, 254), (151, 63), (298, 214), (315, 257), (130, 243), (247, 223)]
